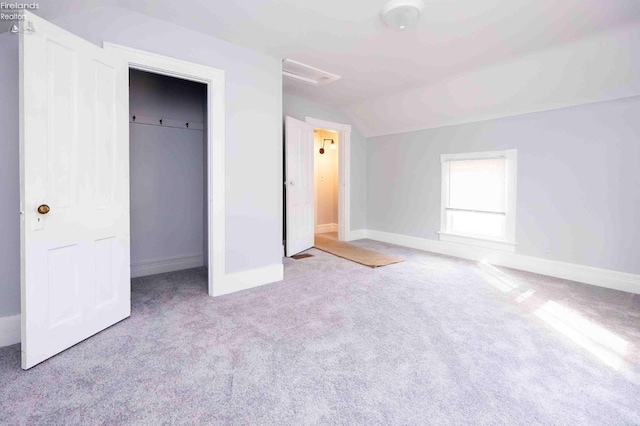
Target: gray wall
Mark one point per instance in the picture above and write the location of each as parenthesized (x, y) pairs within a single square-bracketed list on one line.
[(299, 108), (161, 96), (9, 178), (253, 100), (578, 180), (166, 169)]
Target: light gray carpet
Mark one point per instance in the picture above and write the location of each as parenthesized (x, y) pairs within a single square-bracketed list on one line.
[(433, 340)]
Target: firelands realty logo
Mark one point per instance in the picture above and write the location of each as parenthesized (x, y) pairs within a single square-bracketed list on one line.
[(11, 12)]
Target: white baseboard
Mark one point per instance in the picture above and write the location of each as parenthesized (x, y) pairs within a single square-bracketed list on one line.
[(10, 331), (327, 227), (568, 271), (160, 266), (248, 279), (358, 234)]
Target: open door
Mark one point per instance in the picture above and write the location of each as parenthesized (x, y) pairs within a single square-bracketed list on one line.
[(74, 166), (299, 185)]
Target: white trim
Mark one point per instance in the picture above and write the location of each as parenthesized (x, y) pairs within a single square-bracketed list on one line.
[(215, 81), (569, 271), (315, 186), (344, 172), (511, 182), (10, 331), (248, 279), (169, 264), (344, 190), (478, 241), (480, 155), (327, 227)]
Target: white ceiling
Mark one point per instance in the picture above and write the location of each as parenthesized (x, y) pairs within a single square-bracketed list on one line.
[(348, 38)]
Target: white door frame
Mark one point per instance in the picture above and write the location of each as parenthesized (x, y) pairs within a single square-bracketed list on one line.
[(344, 173), (215, 81)]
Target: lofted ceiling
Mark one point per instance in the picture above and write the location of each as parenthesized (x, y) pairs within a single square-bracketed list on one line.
[(348, 38)]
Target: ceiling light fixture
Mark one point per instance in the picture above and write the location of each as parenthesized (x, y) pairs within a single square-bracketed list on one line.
[(402, 14)]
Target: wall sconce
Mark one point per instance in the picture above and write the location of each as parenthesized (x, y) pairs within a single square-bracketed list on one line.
[(332, 146)]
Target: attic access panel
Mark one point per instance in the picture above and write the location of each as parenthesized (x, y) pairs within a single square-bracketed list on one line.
[(306, 73)]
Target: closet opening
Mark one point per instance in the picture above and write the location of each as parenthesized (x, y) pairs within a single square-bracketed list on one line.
[(326, 166), (168, 181)]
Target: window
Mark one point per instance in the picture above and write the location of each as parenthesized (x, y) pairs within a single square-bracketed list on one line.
[(479, 199)]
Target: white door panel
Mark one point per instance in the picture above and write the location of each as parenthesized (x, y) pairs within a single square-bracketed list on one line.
[(299, 185), (75, 159)]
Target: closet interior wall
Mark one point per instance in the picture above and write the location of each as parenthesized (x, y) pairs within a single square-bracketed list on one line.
[(168, 172)]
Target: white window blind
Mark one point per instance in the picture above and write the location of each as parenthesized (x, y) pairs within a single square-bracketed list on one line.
[(478, 184), (479, 195)]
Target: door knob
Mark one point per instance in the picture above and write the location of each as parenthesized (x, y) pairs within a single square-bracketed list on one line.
[(43, 209)]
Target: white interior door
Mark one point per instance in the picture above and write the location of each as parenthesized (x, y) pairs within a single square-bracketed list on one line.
[(299, 185), (75, 160)]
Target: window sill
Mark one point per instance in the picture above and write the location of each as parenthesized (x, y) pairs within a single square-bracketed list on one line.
[(478, 241)]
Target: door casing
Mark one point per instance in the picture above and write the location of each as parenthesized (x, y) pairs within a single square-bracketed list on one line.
[(344, 173), (215, 81)]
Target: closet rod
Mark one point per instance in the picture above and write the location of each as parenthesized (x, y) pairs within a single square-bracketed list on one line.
[(165, 122)]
